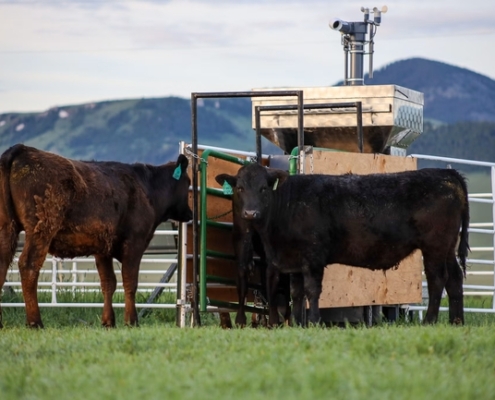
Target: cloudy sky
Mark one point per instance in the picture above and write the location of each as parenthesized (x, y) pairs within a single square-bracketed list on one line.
[(60, 52)]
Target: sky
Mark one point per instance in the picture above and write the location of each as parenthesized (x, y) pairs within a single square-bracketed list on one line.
[(58, 52)]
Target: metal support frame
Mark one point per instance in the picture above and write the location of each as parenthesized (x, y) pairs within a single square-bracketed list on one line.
[(287, 107), (194, 133)]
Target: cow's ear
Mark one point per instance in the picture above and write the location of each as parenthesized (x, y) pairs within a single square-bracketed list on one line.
[(222, 178), (183, 162), (277, 177), (180, 166)]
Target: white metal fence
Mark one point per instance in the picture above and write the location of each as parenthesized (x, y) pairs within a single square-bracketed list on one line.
[(481, 265), (80, 275)]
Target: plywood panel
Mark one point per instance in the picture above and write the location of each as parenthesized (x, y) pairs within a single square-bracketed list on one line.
[(345, 286), (337, 163)]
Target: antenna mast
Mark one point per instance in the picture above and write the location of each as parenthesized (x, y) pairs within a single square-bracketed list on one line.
[(354, 40)]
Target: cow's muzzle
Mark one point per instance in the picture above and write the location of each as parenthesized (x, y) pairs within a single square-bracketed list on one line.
[(250, 214)]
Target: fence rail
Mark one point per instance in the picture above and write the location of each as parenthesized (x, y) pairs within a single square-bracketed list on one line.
[(82, 275)]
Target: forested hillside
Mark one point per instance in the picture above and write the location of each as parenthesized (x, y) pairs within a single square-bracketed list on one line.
[(451, 94), (471, 140), (144, 130)]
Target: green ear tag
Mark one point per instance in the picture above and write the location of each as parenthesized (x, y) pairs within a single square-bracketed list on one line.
[(275, 185), (177, 173), (227, 189)]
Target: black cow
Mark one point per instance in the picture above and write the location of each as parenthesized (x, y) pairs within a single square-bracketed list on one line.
[(76, 208), (372, 221), (247, 245)]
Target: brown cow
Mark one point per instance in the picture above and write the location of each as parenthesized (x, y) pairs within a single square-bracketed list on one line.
[(79, 208)]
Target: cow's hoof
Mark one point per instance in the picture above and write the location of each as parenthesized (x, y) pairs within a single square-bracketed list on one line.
[(258, 320), (35, 325), (240, 321), (108, 325), (225, 321), (132, 324)]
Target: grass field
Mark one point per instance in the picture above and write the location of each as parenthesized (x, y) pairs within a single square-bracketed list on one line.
[(73, 357)]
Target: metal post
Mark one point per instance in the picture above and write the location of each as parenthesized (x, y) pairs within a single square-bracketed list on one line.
[(74, 277), (203, 217), (54, 280), (346, 64), (195, 292), (359, 115), (492, 170), (300, 130), (182, 274), (357, 55), (257, 122)]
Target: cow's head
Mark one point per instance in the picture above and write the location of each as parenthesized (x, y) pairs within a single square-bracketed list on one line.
[(252, 189), (179, 209)]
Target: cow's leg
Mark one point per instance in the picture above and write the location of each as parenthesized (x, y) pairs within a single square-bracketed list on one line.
[(108, 282), (240, 318), (130, 275), (436, 277), (284, 294), (8, 242), (30, 262), (297, 294), (244, 256), (258, 319), (312, 288), (272, 280), (454, 290)]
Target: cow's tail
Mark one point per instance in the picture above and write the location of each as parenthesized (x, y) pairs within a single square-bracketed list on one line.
[(9, 217), (463, 249)]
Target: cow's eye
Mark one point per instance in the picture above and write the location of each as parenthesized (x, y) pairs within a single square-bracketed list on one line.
[(240, 190), (262, 190)]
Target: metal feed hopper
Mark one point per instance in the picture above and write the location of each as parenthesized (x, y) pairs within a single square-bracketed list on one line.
[(392, 118)]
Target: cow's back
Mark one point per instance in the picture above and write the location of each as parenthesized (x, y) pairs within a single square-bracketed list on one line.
[(80, 207)]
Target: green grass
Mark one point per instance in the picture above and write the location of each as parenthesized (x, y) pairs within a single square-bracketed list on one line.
[(388, 362), (79, 317), (80, 360)]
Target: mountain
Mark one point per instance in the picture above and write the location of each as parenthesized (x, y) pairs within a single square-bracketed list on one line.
[(451, 94), (459, 112)]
